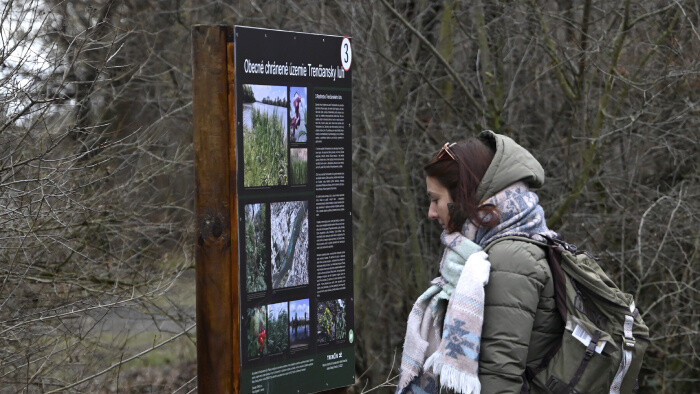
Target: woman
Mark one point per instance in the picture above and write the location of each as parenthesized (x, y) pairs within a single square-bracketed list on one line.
[(479, 192)]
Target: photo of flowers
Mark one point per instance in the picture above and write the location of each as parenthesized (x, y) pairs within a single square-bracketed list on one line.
[(257, 332), (331, 321)]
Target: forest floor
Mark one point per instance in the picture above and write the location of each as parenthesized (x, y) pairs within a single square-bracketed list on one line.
[(132, 329)]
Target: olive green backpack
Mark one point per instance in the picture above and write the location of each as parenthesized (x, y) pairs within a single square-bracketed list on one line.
[(604, 339)]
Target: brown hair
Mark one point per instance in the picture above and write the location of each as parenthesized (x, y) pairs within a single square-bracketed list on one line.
[(461, 177)]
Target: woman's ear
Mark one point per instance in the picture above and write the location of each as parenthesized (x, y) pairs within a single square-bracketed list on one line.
[(451, 208)]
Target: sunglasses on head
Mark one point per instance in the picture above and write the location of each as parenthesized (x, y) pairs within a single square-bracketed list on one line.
[(446, 151)]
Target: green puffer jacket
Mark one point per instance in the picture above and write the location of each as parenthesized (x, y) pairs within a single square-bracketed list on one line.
[(521, 322)]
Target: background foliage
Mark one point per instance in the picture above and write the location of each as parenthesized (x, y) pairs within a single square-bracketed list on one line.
[(96, 166)]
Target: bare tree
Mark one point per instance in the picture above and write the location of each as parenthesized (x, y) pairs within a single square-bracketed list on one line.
[(96, 176), (91, 190), (600, 92)]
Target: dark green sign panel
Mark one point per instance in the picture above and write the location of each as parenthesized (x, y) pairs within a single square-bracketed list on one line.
[(293, 152), (303, 375)]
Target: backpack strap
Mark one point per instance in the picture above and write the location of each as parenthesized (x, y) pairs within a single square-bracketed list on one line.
[(515, 238), (628, 343), (590, 349), (552, 248)]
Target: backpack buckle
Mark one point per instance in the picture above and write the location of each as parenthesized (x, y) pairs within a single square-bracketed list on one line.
[(564, 245), (628, 342), (590, 351)]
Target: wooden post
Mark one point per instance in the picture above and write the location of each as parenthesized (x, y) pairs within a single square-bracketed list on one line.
[(235, 328), (216, 248)]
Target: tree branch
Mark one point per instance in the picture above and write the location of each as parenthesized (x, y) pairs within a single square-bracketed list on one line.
[(437, 55)]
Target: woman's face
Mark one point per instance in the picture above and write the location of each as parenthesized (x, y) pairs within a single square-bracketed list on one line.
[(439, 198)]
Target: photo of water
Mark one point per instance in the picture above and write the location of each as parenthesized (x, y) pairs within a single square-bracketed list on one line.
[(270, 110), (265, 120), (299, 324)]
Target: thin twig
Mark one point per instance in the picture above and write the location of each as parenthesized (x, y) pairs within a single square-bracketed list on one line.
[(437, 55), (122, 362)]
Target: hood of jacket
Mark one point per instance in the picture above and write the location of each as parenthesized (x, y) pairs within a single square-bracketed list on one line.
[(511, 163)]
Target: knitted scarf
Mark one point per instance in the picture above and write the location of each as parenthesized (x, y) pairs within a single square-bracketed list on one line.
[(443, 338)]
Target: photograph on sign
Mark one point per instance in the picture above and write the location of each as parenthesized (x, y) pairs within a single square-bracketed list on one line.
[(297, 114), (277, 328), (265, 135), (299, 324), (255, 247), (299, 167), (294, 192), (290, 243), (257, 331), (331, 321)]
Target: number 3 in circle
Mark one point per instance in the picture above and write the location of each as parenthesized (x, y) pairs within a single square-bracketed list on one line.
[(346, 53)]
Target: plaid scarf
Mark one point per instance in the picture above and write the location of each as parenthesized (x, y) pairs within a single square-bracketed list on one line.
[(454, 303), (454, 354), (520, 215)]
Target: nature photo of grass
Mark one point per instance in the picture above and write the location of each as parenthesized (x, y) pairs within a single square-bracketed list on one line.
[(264, 135), (257, 333), (297, 114), (331, 321), (298, 173), (299, 324), (289, 234), (278, 328), (255, 247)]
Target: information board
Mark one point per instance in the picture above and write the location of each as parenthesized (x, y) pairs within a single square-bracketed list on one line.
[(293, 152)]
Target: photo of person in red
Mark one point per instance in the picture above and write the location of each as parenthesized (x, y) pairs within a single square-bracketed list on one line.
[(297, 114)]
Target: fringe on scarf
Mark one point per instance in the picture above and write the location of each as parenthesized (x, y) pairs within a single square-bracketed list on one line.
[(459, 381)]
